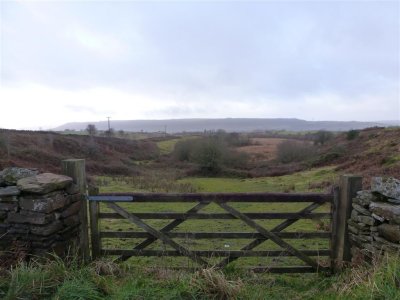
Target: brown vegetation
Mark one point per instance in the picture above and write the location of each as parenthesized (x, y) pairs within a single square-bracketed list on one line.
[(262, 148), (45, 150)]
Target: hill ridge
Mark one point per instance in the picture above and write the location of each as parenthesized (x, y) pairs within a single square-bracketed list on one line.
[(227, 124)]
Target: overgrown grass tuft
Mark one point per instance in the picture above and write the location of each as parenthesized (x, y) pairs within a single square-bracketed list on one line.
[(378, 281), (213, 284), (58, 280)]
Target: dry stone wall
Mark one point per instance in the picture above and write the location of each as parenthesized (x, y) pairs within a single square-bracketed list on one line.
[(374, 226), (38, 211)]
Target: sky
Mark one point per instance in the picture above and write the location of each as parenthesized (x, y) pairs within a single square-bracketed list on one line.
[(71, 61)]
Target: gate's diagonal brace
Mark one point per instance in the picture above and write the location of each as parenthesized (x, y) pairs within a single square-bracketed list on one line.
[(166, 228), (158, 234), (273, 237), (277, 228)]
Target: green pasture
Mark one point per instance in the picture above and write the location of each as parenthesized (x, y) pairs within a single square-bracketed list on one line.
[(300, 182), (306, 181)]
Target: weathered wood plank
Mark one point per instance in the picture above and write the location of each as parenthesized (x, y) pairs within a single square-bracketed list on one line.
[(75, 168), (165, 229), (273, 237), (95, 236), (216, 235), (224, 197), (214, 253), (158, 234), (349, 186), (334, 211), (222, 216), (277, 228)]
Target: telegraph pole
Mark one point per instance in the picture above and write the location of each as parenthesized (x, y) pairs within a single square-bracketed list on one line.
[(109, 127)]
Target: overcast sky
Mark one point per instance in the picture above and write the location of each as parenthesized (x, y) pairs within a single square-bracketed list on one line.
[(86, 60)]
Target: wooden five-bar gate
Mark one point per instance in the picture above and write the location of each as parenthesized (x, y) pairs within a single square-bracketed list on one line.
[(335, 254)]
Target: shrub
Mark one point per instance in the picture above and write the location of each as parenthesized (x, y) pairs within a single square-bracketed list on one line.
[(322, 136), (211, 154), (352, 134), (293, 151), (208, 154), (182, 150)]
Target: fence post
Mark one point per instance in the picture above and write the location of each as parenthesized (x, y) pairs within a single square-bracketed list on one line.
[(94, 210), (349, 185), (75, 168)]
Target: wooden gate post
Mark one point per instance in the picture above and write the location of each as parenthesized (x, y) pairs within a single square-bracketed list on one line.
[(75, 168), (349, 185), (94, 210)]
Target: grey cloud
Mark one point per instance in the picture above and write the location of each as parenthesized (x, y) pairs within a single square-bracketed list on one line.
[(210, 50)]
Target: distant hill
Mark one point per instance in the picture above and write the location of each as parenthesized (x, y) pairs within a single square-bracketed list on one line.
[(229, 124)]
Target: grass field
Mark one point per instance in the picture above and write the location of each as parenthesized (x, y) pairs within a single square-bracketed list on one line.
[(301, 182), (151, 278)]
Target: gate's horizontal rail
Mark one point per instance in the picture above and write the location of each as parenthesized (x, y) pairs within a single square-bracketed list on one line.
[(214, 253), (213, 197), (216, 235), (185, 216), (285, 270)]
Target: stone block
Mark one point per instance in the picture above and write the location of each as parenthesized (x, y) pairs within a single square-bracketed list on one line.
[(44, 183), (16, 229), (374, 229), (390, 232), (9, 191), (8, 206), (388, 187), (359, 226), (354, 215), (48, 229), (8, 199), (364, 198), (73, 209), (358, 231), (45, 204), (388, 211), (72, 221), (12, 175), (361, 210), (360, 238), (366, 220), (376, 217), (28, 217)]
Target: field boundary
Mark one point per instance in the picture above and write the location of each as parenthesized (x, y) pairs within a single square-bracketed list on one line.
[(338, 252)]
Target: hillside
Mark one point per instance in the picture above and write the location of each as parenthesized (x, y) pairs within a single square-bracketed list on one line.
[(45, 150), (229, 124), (373, 152)]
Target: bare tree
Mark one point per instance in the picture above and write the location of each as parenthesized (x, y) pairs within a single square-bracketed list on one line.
[(91, 129)]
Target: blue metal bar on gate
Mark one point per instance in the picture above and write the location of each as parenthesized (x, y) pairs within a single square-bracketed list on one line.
[(111, 198)]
